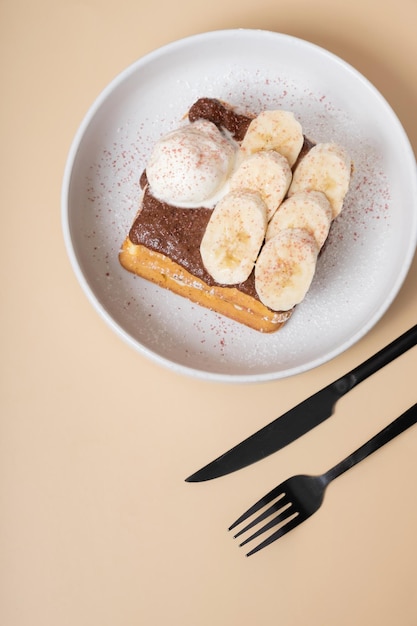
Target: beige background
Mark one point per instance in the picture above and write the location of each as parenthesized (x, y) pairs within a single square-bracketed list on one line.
[(97, 526)]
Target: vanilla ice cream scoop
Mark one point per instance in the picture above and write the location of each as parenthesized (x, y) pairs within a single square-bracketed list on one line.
[(188, 167)]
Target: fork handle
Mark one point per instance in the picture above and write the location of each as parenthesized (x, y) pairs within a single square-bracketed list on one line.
[(399, 425)]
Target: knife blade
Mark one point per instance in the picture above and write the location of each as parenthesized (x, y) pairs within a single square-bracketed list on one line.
[(303, 417)]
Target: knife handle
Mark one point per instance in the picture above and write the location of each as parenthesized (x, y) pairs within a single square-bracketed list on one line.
[(378, 361)]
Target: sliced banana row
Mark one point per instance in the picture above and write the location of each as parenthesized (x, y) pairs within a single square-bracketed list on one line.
[(254, 227), (237, 227), (287, 262)]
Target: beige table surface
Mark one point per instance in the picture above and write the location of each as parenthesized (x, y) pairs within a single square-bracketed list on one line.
[(97, 526)]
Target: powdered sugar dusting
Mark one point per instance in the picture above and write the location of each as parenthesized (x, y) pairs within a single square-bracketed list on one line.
[(361, 266)]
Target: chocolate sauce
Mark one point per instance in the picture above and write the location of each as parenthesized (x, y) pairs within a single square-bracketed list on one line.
[(220, 115), (177, 232)]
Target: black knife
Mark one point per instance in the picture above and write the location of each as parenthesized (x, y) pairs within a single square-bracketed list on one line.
[(304, 416)]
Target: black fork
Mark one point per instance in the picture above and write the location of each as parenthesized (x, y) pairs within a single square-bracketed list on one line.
[(297, 498)]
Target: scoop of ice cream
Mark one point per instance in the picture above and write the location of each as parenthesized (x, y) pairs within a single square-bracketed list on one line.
[(189, 166)]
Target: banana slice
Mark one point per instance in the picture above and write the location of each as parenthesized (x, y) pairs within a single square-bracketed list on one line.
[(285, 268), (327, 168), (234, 236), (274, 130), (307, 209), (266, 172)]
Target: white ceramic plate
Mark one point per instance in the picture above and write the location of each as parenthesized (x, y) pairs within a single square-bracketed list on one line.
[(371, 245)]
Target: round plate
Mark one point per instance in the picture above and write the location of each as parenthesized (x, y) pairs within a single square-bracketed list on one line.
[(371, 244)]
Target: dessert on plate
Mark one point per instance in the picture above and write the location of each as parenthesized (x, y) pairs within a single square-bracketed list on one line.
[(235, 210)]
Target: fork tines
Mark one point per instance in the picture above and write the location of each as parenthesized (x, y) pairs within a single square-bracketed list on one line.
[(281, 505)]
